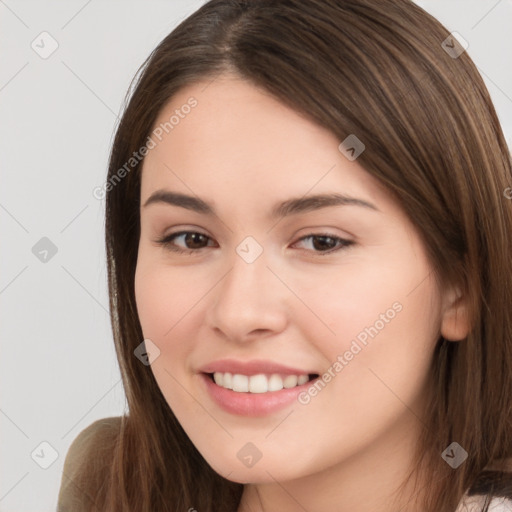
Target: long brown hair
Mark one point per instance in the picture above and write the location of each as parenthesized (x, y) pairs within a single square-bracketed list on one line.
[(377, 69)]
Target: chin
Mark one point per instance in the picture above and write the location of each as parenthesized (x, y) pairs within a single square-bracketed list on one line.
[(259, 473)]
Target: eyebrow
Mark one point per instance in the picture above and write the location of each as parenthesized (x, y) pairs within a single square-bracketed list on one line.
[(286, 208)]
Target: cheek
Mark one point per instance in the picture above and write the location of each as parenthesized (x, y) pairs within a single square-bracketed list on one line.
[(382, 317), (357, 301), (164, 305), (164, 296), (165, 302)]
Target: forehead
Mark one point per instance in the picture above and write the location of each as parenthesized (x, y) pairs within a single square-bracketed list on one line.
[(235, 118), (238, 137)]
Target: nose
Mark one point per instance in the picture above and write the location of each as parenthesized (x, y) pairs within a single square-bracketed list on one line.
[(250, 302)]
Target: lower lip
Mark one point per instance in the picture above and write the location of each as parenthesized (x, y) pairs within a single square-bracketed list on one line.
[(252, 404)]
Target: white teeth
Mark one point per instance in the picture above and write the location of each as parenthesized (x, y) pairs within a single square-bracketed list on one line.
[(290, 381), (218, 378), (302, 379), (275, 383), (227, 381), (240, 383), (259, 383)]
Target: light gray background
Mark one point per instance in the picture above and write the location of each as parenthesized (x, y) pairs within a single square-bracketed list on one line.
[(58, 367)]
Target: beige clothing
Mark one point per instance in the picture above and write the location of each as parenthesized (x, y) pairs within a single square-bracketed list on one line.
[(97, 439)]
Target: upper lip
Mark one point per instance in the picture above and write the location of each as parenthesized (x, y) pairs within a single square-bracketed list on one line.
[(252, 367)]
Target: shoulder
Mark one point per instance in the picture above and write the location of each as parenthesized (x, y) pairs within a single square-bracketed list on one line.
[(94, 439), (86, 463)]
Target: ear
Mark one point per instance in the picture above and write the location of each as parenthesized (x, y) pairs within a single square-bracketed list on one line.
[(455, 323)]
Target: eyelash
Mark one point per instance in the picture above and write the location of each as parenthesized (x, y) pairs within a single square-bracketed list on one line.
[(167, 242)]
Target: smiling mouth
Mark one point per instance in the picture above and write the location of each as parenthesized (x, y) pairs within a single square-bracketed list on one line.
[(260, 383)]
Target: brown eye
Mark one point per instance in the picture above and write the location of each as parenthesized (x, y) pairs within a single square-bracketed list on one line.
[(325, 243), (192, 240), (195, 240)]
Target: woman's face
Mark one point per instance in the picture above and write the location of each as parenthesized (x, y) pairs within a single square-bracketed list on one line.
[(274, 285)]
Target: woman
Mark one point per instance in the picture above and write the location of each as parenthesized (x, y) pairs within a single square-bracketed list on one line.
[(308, 242)]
